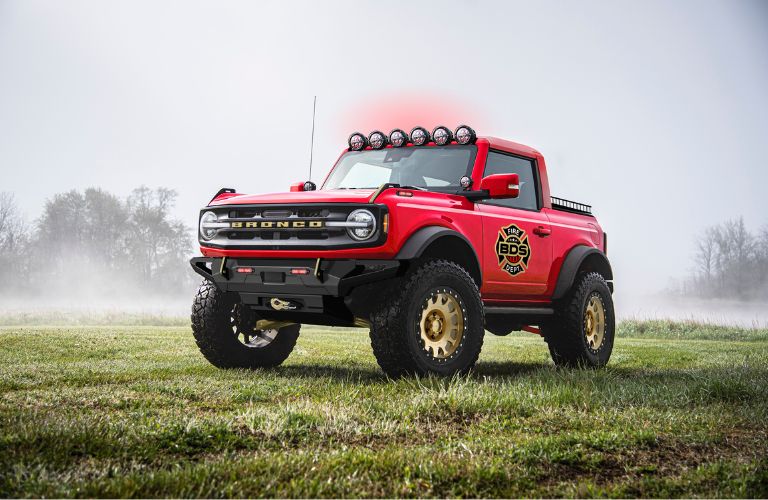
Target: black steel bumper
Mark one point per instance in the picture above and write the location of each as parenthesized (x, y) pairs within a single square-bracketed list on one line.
[(321, 295)]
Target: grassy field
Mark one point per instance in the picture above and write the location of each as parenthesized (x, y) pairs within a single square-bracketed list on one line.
[(682, 410)]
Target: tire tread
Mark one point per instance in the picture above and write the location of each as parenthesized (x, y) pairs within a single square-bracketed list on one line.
[(211, 311)]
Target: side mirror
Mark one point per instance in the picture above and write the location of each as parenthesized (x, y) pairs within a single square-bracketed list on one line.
[(303, 186), (501, 186)]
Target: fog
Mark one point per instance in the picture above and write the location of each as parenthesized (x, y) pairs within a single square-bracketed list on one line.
[(655, 113)]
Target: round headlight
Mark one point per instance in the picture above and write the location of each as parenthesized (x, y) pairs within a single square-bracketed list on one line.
[(442, 135), (206, 221), (465, 135), (362, 224), (357, 141), (377, 139), (419, 136), (398, 138)]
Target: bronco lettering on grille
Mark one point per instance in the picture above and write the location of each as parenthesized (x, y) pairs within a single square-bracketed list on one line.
[(281, 224)]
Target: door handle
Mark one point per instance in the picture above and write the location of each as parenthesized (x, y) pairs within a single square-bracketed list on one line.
[(542, 231)]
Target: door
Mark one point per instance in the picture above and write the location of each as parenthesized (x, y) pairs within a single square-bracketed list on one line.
[(517, 249)]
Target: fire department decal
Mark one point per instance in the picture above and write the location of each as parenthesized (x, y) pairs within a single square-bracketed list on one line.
[(513, 250)]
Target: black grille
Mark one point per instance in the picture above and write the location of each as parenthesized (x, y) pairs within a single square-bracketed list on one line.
[(272, 213)]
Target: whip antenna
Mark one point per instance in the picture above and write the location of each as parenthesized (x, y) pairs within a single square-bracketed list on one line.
[(312, 141)]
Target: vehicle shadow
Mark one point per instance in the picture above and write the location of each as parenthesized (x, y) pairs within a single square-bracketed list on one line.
[(508, 368), (373, 375), (727, 383), (358, 374)]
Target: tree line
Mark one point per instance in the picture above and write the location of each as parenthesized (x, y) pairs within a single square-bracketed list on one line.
[(730, 262), (93, 241)]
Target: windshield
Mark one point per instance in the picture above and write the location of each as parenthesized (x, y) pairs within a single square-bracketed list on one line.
[(436, 168)]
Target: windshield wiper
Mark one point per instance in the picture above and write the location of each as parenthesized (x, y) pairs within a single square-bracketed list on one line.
[(392, 185)]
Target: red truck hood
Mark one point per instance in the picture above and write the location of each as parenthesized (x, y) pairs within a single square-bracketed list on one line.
[(324, 196)]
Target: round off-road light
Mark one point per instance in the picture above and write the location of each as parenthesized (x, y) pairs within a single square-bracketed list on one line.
[(377, 139), (357, 141), (465, 182), (465, 135), (398, 138), (419, 136), (208, 225), (442, 135), (363, 224)]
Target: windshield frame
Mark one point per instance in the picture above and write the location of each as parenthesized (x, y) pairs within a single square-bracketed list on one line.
[(473, 150)]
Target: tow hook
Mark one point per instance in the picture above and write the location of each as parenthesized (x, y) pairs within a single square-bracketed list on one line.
[(282, 305)]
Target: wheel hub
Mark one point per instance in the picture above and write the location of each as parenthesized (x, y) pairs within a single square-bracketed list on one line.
[(594, 322), (243, 327), (441, 325)]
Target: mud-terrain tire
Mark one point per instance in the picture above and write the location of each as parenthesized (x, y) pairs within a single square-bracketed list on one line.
[(219, 321), (440, 294), (574, 335)]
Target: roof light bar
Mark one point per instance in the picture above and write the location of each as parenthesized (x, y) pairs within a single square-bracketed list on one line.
[(398, 138), (442, 135), (465, 135), (377, 139), (419, 136), (357, 141)]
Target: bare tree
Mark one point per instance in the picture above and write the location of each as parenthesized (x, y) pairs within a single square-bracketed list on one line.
[(105, 219), (705, 258), (731, 262), (113, 243), (13, 239), (12, 228)]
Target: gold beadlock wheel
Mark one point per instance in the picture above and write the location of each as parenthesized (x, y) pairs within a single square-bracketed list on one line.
[(582, 330), (594, 322), (431, 323), (441, 324)]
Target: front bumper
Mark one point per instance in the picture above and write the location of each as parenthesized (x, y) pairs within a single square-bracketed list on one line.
[(321, 296)]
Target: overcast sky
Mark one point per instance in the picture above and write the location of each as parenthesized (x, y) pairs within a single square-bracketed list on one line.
[(656, 113)]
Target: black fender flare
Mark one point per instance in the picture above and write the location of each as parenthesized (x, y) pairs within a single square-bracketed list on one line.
[(222, 191), (420, 240), (576, 257)]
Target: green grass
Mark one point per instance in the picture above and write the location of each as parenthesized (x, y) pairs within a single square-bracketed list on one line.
[(688, 330), (137, 411), (63, 317)]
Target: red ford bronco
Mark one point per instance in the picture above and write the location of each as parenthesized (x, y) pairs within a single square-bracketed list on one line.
[(426, 239)]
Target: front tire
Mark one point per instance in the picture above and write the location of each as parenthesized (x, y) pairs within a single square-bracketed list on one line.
[(583, 329), (224, 332), (432, 324)]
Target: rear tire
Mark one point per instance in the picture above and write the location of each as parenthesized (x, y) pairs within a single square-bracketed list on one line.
[(583, 328), (432, 323), (224, 332)]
